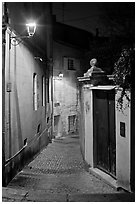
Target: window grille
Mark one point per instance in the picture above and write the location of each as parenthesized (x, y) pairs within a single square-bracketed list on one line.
[(71, 64)]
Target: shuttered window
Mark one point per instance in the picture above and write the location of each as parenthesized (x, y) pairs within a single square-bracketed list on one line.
[(35, 102), (43, 91), (47, 90)]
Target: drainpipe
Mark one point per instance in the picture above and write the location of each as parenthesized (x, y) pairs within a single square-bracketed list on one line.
[(4, 28)]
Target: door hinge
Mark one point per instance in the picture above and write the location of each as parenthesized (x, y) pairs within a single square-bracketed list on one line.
[(9, 87)]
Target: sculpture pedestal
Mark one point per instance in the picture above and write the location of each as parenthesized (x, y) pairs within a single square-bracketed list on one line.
[(97, 78)]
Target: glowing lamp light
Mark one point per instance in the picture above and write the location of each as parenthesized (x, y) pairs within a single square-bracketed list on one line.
[(31, 28), (60, 75)]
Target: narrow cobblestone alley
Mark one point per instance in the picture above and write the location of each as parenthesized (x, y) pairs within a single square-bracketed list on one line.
[(59, 174)]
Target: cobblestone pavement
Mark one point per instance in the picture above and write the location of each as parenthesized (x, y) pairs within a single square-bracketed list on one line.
[(59, 173)]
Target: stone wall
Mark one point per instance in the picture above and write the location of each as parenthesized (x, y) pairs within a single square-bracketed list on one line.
[(65, 89)]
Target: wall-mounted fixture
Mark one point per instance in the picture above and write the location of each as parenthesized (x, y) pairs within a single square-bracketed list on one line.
[(31, 28), (38, 58), (60, 75)]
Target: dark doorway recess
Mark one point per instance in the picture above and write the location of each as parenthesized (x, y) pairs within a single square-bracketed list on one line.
[(104, 131), (71, 123)]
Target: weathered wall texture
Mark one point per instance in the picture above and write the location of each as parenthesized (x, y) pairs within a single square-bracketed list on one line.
[(124, 148), (22, 121), (88, 115), (123, 144), (66, 94)]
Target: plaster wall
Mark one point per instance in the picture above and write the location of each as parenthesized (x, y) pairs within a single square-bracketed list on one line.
[(22, 121), (82, 122), (123, 142), (88, 114), (123, 146), (65, 90)]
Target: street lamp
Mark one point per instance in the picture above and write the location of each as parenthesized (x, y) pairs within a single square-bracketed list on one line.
[(31, 28), (60, 75)]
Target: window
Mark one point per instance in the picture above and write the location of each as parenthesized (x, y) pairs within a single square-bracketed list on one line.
[(43, 91), (35, 102), (47, 90), (71, 64)]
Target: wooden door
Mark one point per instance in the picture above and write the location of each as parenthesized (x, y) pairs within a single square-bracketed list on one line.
[(104, 130)]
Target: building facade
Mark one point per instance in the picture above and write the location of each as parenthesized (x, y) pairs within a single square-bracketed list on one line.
[(106, 135), (67, 64), (69, 46), (27, 82)]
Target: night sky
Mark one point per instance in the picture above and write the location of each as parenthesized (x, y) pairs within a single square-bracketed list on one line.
[(108, 17)]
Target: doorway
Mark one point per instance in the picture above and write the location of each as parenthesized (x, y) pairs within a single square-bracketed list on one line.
[(72, 124), (57, 126), (104, 130)]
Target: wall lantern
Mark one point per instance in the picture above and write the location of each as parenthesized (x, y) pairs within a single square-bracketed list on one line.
[(38, 58), (31, 28), (60, 75)]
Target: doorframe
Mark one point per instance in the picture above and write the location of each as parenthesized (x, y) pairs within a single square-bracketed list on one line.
[(89, 141), (105, 88), (95, 151)]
